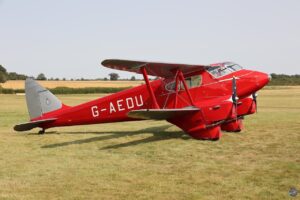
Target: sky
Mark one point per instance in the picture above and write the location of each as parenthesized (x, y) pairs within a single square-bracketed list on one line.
[(70, 38)]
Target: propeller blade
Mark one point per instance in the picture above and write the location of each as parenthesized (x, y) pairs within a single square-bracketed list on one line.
[(234, 96), (254, 96)]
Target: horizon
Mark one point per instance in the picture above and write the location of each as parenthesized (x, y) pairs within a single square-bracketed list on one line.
[(138, 77)]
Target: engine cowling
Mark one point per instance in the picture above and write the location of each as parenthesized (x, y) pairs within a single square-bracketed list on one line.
[(194, 125), (234, 126), (212, 133)]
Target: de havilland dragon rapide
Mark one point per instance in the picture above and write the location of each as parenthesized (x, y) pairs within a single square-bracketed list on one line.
[(202, 100)]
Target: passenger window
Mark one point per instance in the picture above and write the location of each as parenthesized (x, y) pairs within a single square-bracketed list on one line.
[(194, 81), (170, 86)]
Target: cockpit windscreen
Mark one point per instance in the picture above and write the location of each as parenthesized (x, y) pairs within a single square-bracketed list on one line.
[(224, 69)]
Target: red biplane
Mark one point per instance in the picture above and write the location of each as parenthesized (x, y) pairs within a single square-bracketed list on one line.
[(202, 100)]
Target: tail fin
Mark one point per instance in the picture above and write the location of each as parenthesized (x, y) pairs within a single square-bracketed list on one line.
[(40, 100)]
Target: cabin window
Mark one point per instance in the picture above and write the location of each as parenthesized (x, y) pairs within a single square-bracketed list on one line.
[(194, 81), (170, 86)]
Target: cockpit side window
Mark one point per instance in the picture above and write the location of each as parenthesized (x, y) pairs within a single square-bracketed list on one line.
[(235, 67), (219, 71)]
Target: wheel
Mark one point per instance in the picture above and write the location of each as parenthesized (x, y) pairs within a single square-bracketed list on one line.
[(41, 131)]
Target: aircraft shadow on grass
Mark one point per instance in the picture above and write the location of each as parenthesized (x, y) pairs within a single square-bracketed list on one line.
[(158, 134)]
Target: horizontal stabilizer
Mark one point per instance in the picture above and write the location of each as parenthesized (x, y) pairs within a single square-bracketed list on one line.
[(30, 125), (161, 114)]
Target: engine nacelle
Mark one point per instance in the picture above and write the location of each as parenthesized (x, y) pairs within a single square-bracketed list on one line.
[(194, 125), (234, 126), (212, 133)]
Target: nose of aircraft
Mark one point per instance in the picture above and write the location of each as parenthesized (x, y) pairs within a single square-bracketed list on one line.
[(262, 79), (251, 83)]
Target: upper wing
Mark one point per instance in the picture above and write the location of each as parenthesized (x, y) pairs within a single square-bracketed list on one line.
[(165, 70), (161, 114)]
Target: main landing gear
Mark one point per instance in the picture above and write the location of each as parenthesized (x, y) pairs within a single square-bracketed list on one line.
[(41, 132)]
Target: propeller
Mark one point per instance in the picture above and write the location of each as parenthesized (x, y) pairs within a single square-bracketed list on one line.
[(254, 97), (234, 96)]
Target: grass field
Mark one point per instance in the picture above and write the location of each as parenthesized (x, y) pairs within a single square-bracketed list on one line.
[(74, 84), (152, 159)]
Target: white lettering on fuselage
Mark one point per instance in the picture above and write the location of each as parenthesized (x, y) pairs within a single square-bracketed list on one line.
[(119, 105), (139, 104), (129, 103), (111, 108), (95, 111)]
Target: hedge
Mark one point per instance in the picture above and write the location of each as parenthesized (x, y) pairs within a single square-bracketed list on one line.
[(66, 90)]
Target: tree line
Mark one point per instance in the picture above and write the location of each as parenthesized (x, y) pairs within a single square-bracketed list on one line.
[(277, 79), (283, 79), (5, 76)]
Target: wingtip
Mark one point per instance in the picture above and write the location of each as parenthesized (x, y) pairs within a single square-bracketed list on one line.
[(103, 62), (106, 62)]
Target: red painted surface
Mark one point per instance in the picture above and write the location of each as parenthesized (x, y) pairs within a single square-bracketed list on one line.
[(234, 126), (213, 97)]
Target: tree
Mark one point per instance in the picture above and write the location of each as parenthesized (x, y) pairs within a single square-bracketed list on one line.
[(113, 76), (2, 69), (132, 78), (12, 76), (3, 74), (3, 77), (41, 77), (105, 79), (15, 76)]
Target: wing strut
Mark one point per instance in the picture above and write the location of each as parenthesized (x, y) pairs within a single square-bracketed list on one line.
[(150, 90), (180, 78)]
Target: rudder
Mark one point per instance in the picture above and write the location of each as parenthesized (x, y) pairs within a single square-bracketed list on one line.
[(40, 100)]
